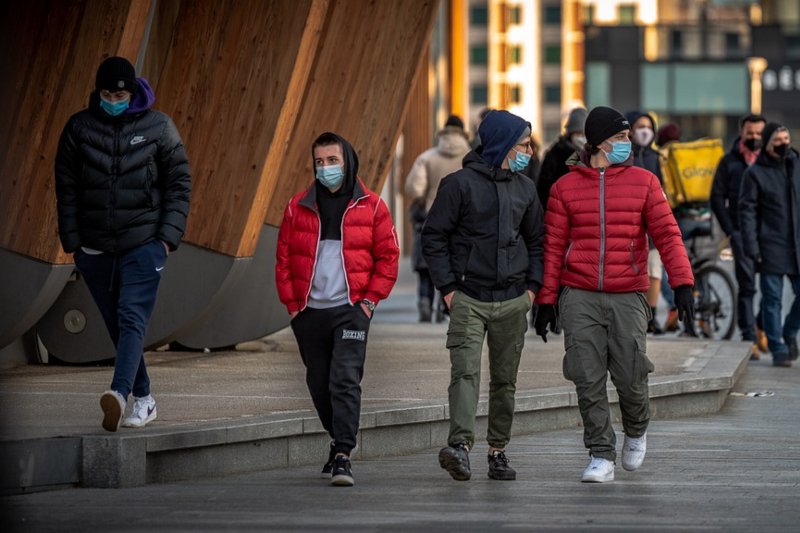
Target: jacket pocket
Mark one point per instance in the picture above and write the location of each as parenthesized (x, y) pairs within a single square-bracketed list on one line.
[(642, 365), (633, 259)]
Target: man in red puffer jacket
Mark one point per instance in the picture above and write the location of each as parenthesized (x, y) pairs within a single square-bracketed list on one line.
[(596, 226), (336, 259)]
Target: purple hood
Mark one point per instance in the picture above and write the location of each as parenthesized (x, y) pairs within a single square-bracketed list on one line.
[(143, 99)]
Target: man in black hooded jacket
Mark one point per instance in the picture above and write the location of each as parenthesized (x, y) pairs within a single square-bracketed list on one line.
[(122, 190), (483, 242)]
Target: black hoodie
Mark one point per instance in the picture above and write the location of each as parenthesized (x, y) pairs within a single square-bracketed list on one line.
[(332, 205)]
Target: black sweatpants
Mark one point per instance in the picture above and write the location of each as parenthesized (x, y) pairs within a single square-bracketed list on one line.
[(333, 345)]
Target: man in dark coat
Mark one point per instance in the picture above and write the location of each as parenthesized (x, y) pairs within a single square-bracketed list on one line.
[(555, 160), (122, 187), (483, 243), (769, 219), (725, 204)]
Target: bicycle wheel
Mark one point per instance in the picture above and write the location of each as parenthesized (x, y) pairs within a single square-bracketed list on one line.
[(715, 303)]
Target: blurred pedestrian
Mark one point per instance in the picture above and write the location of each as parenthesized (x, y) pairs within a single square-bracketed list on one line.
[(422, 183), (535, 165), (769, 221), (476, 140), (483, 244), (642, 134), (597, 224), (725, 203), (555, 159), (665, 136), (122, 191), (337, 258)]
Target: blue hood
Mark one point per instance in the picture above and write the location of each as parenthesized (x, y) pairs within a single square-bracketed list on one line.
[(143, 99), (499, 132)]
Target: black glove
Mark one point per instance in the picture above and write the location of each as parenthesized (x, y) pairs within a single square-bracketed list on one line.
[(684, 303), (545, 316)]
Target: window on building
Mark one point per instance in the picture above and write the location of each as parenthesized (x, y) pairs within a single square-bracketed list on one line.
[(479, 95), (514, 94), (627, 14), (552, 14), (552, 94), (588, 15), (479, 16), (514, 14), (792, 46), (732, 44), (676, 44), (552, 54), (515, 55), (479, 55)]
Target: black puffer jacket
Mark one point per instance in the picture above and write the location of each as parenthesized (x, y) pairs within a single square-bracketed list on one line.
[(121, 181), (484, 234), (725, 189), (769, 201), (553, 167)]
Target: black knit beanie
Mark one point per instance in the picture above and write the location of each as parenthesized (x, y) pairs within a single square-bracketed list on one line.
[(116, 74), (769, 129), (602, 123)]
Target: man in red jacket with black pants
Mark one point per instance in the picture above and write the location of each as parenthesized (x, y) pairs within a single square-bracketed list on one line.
[(336, 259)]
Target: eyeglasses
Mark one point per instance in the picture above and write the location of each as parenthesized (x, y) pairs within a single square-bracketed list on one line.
[(525, 146)]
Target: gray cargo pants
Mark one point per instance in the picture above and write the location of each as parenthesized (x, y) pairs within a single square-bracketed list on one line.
[(605, 332)]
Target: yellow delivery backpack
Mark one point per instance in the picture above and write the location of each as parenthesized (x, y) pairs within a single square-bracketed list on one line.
[(688, 170)]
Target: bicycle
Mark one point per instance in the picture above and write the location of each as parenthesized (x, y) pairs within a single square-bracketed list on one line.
[(714, 288)]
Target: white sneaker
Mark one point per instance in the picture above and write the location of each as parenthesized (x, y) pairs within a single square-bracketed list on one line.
[(598, 471), (144, 412), (633, 450), (113, 405)]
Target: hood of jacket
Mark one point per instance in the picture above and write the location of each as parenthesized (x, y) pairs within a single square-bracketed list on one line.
[(451, 142), (350, 165), (499, 132), (764, 159), (473, 161)]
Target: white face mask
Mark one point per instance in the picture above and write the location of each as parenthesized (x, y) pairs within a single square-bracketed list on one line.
[(643, 136)]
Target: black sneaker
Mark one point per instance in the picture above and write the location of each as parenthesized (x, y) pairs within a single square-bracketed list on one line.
[(328, 468), (791, 343), (455, 459), (342, 474), (499, 469)]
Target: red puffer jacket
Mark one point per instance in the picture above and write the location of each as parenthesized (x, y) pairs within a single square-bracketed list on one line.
[(369, 246), (596, 232)]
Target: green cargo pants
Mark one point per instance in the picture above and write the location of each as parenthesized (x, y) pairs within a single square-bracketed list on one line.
[(605, 332), (503, 324)]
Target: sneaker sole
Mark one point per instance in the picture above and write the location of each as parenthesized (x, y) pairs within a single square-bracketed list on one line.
[(453, 466), (342, 481), (132, 424), (325, 475), (112, 412), (597, 479), (505, 477)]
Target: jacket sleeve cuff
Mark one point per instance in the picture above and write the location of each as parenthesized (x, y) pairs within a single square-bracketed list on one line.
[(447, 289), (534, 286)]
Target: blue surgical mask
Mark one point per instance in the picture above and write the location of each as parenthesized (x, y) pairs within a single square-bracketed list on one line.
[(620, 151), (519, 162), (330, 176), (114, 108)]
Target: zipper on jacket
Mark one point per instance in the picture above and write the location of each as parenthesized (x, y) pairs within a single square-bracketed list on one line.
[(316, 254), (341, 248), (114, 169), (633, 260), (602, 227)]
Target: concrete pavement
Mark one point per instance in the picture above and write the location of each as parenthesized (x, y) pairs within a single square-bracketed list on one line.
[(248, 409), (737, 470)]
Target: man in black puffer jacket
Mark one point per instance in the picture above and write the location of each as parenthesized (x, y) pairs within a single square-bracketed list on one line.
[(122, 188), (483, 242)]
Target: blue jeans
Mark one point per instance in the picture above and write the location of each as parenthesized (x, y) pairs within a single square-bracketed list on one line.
[(771, 297), (124, 287)]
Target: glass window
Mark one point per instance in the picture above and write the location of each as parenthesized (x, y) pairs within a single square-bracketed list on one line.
[(515, 55), (598, 84), (479, 55), (627, 14), (479, 94), (677, 43), (479, 16), (710, 88), (514, 94), (552, 94), (552, 14), (792, 46), (552, 53), (514, 14), (732, 44), (655, 87), (588, 15)]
